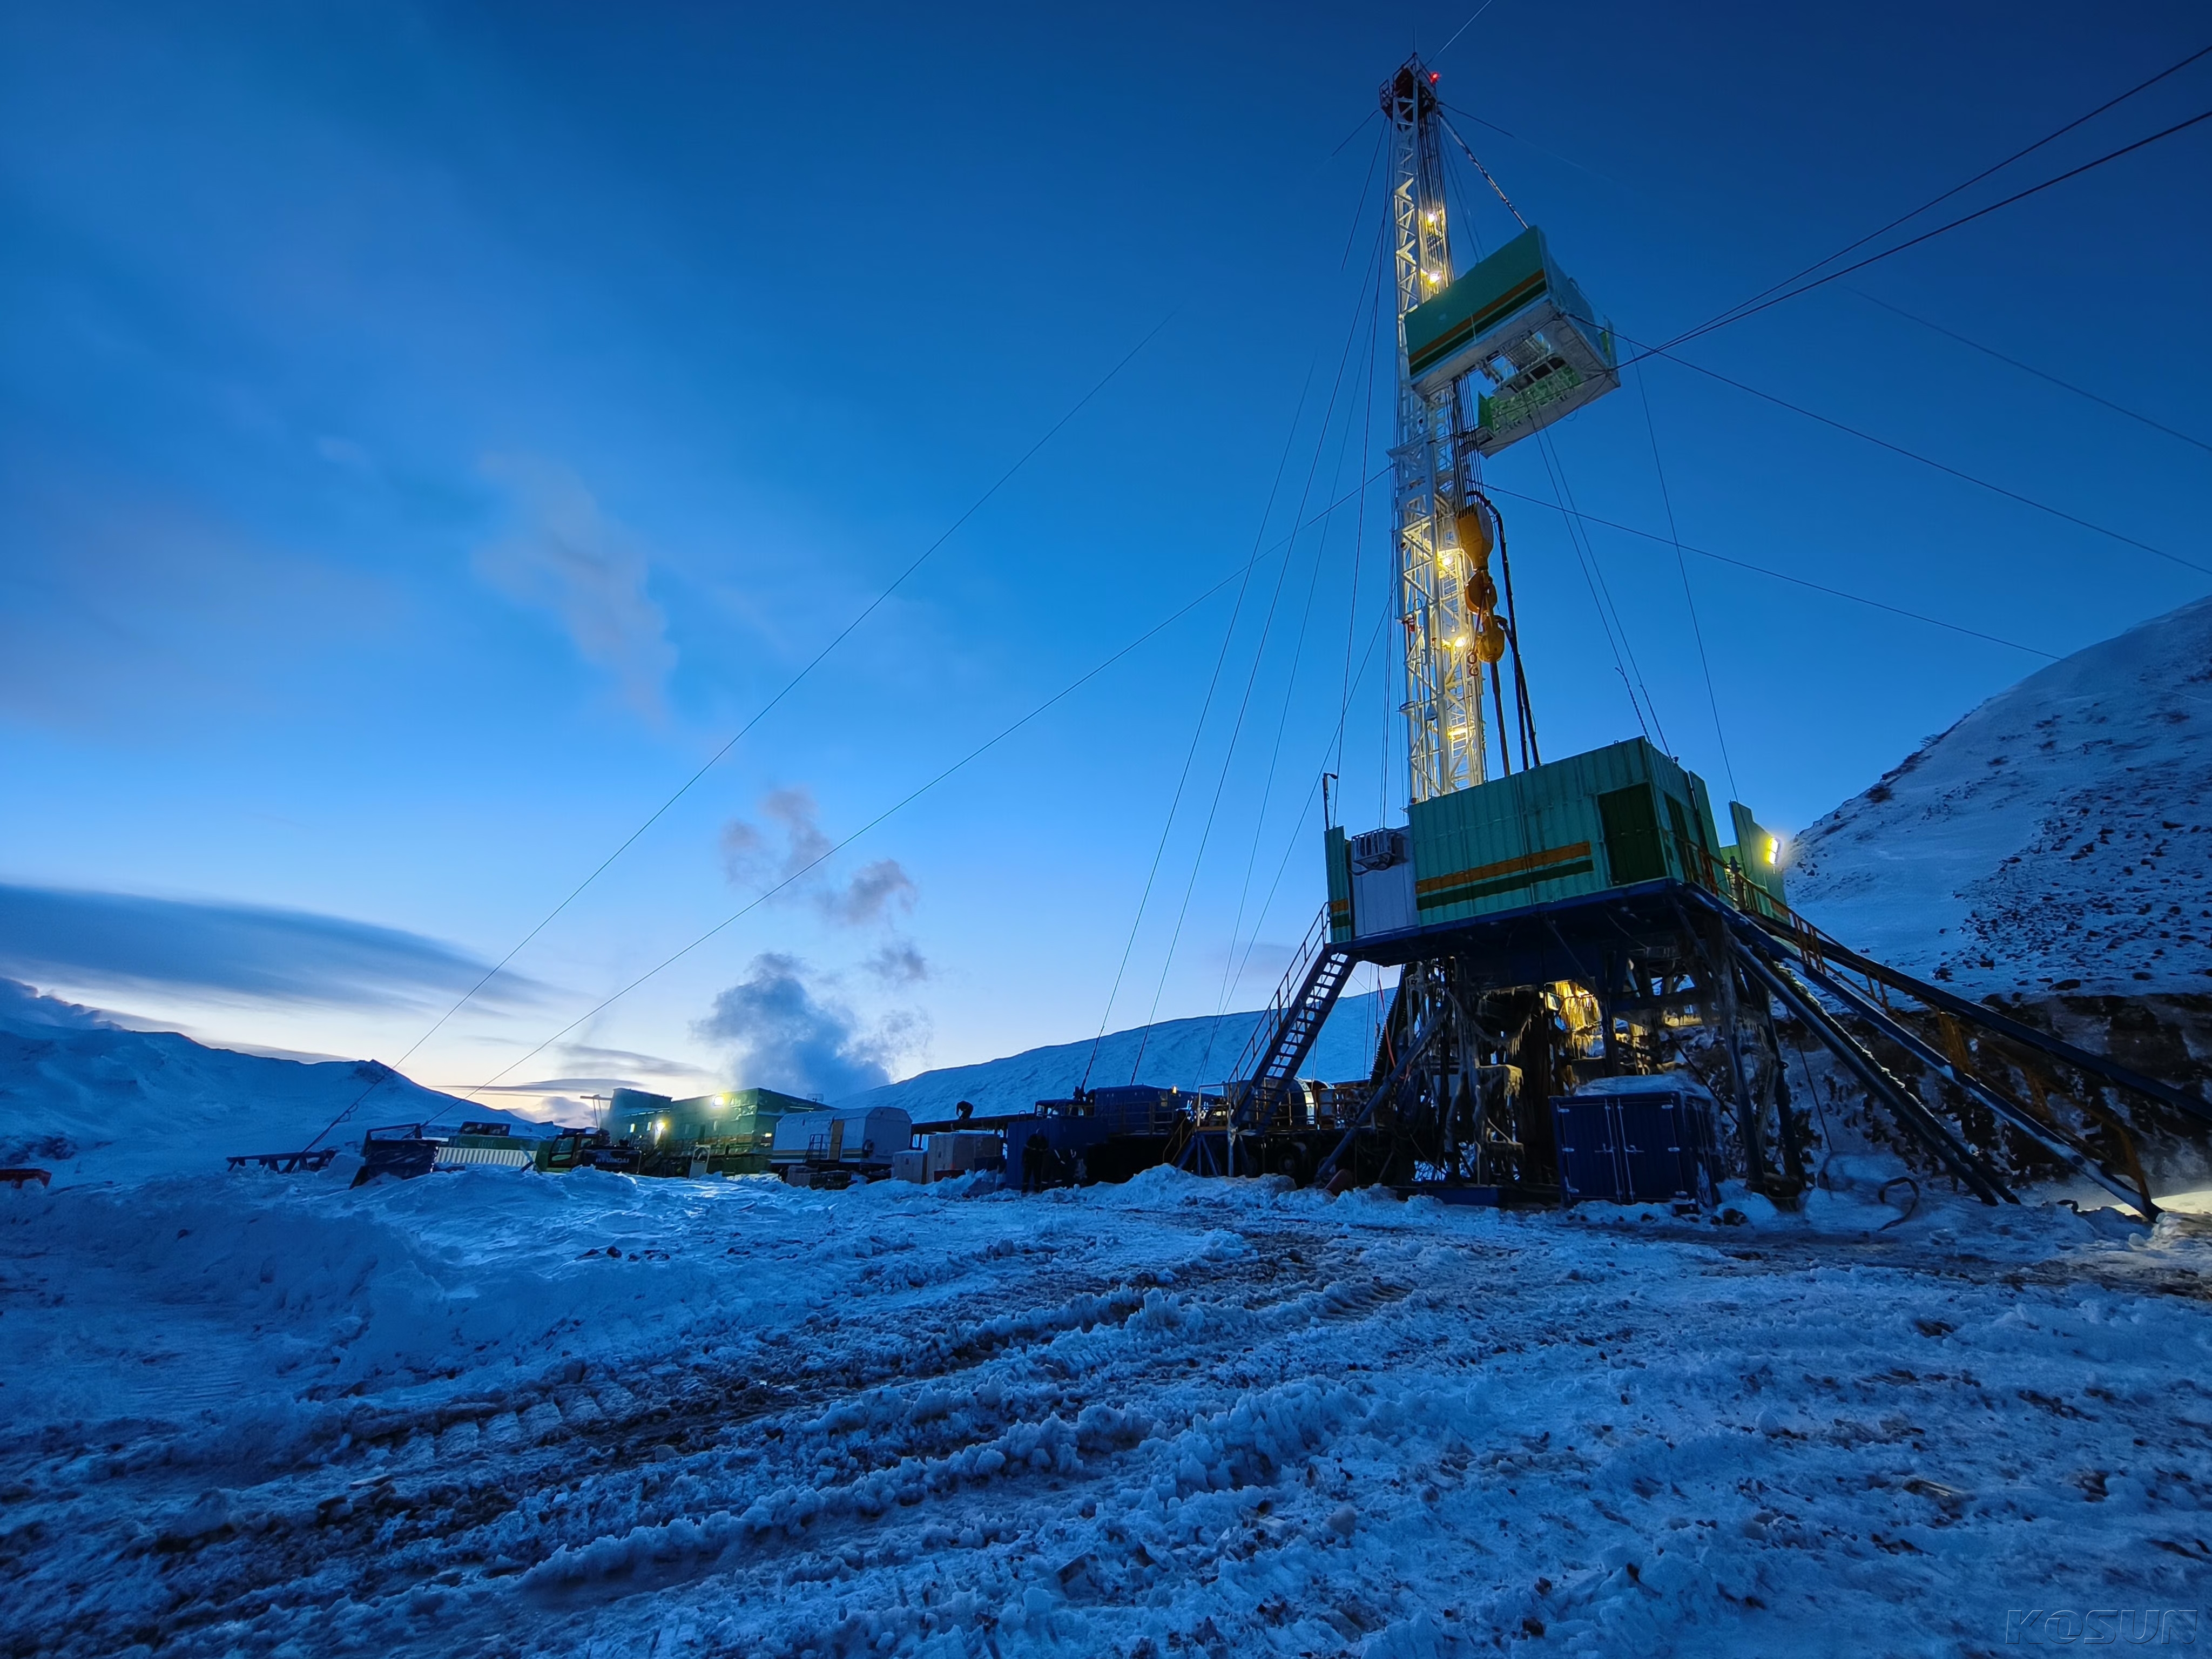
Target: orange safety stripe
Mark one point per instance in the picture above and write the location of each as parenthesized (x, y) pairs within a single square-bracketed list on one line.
[(1581, 849)]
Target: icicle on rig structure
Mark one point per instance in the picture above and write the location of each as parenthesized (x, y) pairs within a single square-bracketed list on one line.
[(1589, 978)]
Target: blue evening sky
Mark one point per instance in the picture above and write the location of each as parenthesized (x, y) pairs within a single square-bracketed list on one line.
[(430, 432)]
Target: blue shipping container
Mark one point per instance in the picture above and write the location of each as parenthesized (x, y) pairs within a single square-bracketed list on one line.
[(1641, 1148)]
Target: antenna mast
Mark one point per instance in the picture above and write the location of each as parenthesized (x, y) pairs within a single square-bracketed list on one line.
[(1444, 684)]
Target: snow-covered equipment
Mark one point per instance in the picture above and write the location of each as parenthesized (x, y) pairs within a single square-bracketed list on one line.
[(405, 1151), (913, 1164), (565, 1148), (1520, 324), (310, 1162), (962, 1151), (1638, 1141), (1100, 1134), (493, 1145), (402, 1151)]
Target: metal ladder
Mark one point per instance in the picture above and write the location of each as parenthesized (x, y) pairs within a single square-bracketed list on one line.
[(1284, 1036)]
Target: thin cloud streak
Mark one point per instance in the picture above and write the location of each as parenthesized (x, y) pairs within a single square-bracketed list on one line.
[(51, 935)]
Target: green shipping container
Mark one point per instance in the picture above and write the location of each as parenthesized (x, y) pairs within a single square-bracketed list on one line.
[(739, 1115), (1757, 852), (1613, 818), (1484, 296)]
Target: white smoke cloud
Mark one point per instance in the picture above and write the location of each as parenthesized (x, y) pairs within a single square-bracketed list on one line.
[(782, 1035), (898, 964), (870, 895), (873, 891)]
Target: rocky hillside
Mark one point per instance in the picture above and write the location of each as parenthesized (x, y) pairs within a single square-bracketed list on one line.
[(2054, 842)]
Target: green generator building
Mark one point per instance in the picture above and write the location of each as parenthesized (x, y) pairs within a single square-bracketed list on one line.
[(727, 1133), (1613, 818)]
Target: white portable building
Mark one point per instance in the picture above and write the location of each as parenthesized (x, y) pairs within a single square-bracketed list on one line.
[(841, 1135)]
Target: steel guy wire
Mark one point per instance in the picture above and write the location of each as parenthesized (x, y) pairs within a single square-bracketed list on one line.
[(1915, 455), (1258, 655), (1996, 167), (1696, 628), (1778, 575), (1463, 28), (1297, 829), (1484, 171), (1585, 557), (789, 686), (980, 750), (1359, 528), (1749, 309), (1298, 651), (1198, 728), (2029, 368)]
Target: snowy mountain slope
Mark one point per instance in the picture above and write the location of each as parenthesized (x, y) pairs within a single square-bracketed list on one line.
[(2056, 839), (1186, 1054), (92, 1102)]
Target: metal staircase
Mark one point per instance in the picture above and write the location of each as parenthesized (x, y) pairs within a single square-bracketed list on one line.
[(1284, 1034)]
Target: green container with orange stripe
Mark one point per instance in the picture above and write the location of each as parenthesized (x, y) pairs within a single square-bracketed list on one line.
[(1613, 818)]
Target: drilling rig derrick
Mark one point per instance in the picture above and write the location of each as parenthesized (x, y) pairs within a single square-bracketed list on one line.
[(1587, 977)]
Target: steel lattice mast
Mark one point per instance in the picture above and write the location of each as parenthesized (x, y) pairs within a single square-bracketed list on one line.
[(1443, 685)]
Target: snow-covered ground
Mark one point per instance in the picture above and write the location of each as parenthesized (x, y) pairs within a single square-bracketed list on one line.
[(2058, 838), (494, 1413)]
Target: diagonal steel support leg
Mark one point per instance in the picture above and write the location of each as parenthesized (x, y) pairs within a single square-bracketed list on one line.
[(1913, 1117), (2002, 1106), (1382, 1091)]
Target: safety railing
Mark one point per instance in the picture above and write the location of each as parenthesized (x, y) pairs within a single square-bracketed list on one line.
[(1284, 999), (1728, 881)]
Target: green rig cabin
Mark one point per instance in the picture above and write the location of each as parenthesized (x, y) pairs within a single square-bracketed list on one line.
[(1616, 817), (727, 1133)]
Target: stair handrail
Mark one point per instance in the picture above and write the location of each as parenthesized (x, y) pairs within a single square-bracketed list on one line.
[(1281, 1009)]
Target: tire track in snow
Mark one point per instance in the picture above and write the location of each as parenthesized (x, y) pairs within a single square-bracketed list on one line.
[(1313, 1426)]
